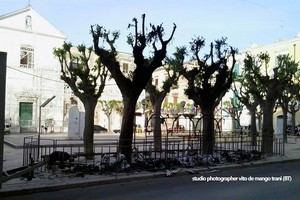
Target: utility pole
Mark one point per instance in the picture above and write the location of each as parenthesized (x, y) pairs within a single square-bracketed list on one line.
[(3, 56)]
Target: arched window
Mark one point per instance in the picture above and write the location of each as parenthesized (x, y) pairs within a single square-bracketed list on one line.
[(28, 22)]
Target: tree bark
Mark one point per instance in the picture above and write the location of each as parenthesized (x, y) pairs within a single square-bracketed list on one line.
[(253, 129), (157, 124), (267, 130), (259, 117), (293, 113), (208, 130), (88, 134), (285, 116), (128, 118)]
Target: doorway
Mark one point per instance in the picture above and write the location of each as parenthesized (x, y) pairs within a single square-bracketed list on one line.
[(25, 114)]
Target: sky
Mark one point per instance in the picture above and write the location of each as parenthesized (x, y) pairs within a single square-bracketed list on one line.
[(243, 22)]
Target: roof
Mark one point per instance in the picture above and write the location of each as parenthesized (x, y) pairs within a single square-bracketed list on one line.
[(16, 20), (7, 15)]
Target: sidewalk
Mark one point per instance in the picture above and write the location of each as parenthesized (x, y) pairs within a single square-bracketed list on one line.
[(48, 182)]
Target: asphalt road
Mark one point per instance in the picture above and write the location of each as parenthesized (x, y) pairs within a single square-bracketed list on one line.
[(276, 181)]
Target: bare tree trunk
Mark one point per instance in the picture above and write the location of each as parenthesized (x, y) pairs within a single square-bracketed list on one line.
[(208, 130), (157, 124), (88, 134), (126, 135), (109, 123), (293, 113), (267, 130), (259, 121), (285, 116), (253, 130)]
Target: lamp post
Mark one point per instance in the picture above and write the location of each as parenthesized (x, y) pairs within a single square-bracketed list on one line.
[(39, 135)]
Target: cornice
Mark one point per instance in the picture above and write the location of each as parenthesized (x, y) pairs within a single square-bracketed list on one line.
[(32, 32)]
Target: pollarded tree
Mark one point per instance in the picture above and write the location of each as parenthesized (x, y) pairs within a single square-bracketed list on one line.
[(86, 78), (173, 69), (268, 88), (208, 83), (293, 108), (288, 100), (131, 87), (245, 94), (287, 103), (108, 107), (234, 108)]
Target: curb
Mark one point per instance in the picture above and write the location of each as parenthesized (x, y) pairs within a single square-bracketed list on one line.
[(128, 178), (13, 145), (90, 183)]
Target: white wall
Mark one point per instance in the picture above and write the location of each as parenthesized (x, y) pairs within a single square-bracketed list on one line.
[(41, 82)]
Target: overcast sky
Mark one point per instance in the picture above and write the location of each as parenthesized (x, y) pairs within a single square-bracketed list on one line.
[(243, 22)]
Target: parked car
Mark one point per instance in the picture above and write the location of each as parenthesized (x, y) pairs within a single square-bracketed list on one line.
[(117, 130), (138, 129), (6, 128), (98, 129)]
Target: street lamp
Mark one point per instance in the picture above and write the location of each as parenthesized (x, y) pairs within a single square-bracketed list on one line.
[(39, 135)]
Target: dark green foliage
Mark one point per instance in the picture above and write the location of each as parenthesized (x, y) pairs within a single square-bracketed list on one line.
[(174, 69), (131, 87), (82, 77), (86, 78), (267, 84), (209, 81)]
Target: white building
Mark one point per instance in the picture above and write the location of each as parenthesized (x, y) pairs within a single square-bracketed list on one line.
[(33, 73), (289, 47)]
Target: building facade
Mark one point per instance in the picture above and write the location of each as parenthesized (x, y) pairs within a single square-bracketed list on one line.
[(33, 73), (289, 47)]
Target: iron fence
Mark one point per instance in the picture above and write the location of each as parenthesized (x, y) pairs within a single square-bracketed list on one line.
[(171, 148)]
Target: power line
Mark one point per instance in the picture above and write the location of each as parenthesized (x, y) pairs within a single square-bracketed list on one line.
[(41, 77), (45, 78)]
